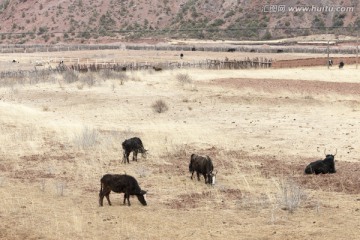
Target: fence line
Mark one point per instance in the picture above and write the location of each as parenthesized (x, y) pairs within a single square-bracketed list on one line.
[(205, 64), (259, 48), (136, 66)]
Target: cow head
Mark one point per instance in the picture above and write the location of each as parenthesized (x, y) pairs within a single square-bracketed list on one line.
[(212, 177), (143, 152), (330, 156), (142, 197)]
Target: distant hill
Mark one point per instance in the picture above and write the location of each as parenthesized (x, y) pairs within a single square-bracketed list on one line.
[(94, 21)]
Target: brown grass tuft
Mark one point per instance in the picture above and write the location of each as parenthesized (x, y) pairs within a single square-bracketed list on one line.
[(160, 106)]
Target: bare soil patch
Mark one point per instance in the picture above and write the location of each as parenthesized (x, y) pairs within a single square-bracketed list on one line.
[(310, 62), (297, 86)]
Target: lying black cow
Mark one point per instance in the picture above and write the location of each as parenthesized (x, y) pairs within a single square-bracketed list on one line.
[(341, 65), (120, 184), (202, 165), (134, 145), (322, 166)]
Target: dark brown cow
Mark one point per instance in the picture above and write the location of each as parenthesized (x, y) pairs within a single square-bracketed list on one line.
[(134, 145), (322, 166), (202, 165), (120, 184)]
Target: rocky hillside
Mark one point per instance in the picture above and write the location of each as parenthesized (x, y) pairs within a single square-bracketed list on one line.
[(91, 21)]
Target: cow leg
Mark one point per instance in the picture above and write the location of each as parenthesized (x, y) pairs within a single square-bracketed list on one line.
[(108, 198), (205, 177), (101, 198), (104, 193), (198, 176), (127, 197), (124, 157), (127, 154), (192, 173), (135, 155)]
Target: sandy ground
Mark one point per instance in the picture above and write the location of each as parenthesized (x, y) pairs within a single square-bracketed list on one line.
[(260, 127)]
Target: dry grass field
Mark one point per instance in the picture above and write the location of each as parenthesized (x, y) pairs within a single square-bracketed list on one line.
[(260, 127)]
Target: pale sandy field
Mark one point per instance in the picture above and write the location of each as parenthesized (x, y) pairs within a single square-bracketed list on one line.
[(27, 61), (260, 127)]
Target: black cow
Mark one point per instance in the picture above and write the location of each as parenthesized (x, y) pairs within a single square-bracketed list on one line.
[(322, 166), (280, 51), (157, 69), (341, 64), (231, 50), (330, 62), (134, 145), (202, 165), (120, 184), (181, 55)]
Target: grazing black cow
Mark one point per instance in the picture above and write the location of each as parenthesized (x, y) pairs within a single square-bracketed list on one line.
[(157, 68), (231, 50), (181, 55), (322, 166), (330, 62), (252, 50), (120, 184), (280, 51), (202, 165), (134, 145), (341, 64)]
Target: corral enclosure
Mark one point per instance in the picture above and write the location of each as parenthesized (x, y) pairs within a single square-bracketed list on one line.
[(261, 127)]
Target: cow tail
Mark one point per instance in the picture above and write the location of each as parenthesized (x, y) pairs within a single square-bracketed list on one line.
[(190, 165)]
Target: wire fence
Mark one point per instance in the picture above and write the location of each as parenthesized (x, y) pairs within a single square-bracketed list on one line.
[(258, 62), (312, 46)]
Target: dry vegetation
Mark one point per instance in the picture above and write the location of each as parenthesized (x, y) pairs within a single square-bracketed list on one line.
[(260, 127)]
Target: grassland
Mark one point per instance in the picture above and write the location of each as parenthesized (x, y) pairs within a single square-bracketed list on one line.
[(261, 128)]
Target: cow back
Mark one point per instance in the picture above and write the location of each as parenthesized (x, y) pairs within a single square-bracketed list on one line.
[(134, 143), (121, 183), (200, 164), (321, 166)]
